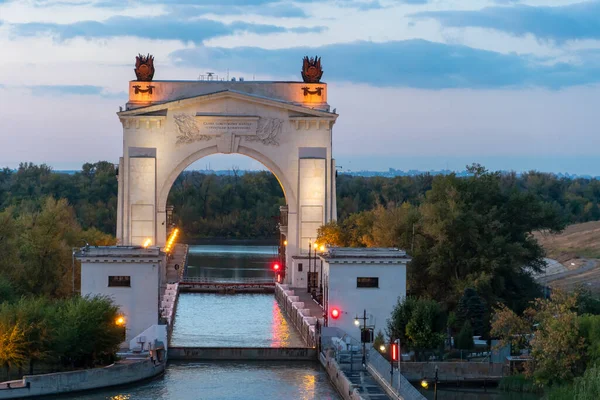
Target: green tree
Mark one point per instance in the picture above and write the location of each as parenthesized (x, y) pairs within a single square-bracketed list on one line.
[(471, 308), (418, 323), (87, 332), (589, 329), (464, 339)]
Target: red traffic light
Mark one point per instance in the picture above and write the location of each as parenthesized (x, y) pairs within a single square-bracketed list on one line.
[(395, 352), (276, 267), (335, 313)]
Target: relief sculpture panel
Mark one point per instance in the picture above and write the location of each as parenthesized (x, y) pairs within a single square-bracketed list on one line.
[(197, 128)]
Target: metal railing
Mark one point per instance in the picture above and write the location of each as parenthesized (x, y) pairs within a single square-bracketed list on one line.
[(200, 279), (397, 382)]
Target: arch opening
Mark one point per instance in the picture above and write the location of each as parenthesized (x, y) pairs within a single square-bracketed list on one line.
[(227, 201)]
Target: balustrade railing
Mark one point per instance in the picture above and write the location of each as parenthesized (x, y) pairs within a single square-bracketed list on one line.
[(199, 279)]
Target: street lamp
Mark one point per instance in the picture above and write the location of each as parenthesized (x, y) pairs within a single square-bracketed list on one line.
[(363, 333), (425, 383), (308, 273)]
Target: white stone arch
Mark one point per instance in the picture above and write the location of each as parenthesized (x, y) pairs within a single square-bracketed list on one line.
[(286, 126), (288, 192)]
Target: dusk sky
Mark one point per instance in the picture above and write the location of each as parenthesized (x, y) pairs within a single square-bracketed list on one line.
[(418, 84)]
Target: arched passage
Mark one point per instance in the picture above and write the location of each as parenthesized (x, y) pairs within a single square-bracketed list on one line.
[(269, 164), (286, 126)]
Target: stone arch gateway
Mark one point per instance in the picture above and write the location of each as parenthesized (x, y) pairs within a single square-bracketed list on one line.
[(167, 125)]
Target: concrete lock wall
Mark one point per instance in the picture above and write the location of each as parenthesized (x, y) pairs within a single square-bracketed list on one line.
[(339, 380), (242, 353), (452, 371), (65, 382)]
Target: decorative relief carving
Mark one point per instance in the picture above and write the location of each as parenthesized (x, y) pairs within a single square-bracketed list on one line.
[(252, 129), (267, 132), (312, 71), (307, 91), (189, 132), (147, 90), (144, 68)]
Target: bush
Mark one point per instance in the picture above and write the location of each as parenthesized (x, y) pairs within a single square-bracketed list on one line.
[(464, 339), (517, 383)]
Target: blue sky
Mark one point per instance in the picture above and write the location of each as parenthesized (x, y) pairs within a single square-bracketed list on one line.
[(418, 84)]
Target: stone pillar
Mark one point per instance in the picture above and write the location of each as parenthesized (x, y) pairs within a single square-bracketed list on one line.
[(120, 179), (312, 194), (142, 195)]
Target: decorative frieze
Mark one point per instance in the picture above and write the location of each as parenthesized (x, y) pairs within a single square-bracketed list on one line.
[(142, 121), (228, 129)]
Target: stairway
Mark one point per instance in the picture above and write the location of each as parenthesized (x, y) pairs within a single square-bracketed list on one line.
[(177, 263)]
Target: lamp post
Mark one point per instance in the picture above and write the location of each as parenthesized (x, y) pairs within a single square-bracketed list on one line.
[(321, 249), (362, 337), (399, 364), (425, 384), (435, 384), (308, 273)]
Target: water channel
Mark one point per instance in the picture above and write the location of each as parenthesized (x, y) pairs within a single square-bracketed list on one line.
[(208, 319)]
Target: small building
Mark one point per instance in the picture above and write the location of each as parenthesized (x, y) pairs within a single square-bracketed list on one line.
[(359, 280), (131, 276)]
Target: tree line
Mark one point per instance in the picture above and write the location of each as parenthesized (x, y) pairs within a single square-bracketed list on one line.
[(246, 205), (43, 322)]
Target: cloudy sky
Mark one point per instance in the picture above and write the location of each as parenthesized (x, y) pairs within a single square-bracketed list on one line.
[(418, 84)]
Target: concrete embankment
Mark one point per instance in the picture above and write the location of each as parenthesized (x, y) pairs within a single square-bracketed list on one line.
[(120, 373), (343, 385), (243, 353)]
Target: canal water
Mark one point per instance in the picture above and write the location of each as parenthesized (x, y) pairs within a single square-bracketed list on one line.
[(245, 320)]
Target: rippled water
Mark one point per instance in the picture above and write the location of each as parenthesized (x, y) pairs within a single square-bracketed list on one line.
[(208, 319), (234, 320), (227, 381)]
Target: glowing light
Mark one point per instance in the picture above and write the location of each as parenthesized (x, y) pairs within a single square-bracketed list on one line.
[(394, 352), (315, 246), (335, 313), (285, 242), (322, 248), (276, 267), (147, 242), (171, 240), (424, 384), (382, 348), (120, 321), (356, 322)]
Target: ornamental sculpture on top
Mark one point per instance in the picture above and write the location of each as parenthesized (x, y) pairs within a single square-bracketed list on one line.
[(312, 70), (144, 68)]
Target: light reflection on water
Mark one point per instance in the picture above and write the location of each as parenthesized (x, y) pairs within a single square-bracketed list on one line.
[(227, 381), (229, 320), (238, 320)]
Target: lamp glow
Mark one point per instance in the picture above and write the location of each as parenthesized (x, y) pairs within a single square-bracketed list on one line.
[(120, 321), (322, 248), (147, 242), (285, 242), (356, 322), (335, 313), (424, 384), (382, 348)]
